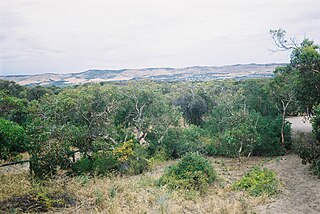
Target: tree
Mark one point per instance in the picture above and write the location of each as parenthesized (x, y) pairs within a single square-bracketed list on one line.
[(305, 68), (35, 93), (13, 108), (305, 65), (193, 107), (145, 112), (75, 119), (283, 90), (258, 97), (11, 88)]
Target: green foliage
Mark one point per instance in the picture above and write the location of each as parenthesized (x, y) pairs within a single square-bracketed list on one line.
[(269, 132), (181, 141), (127, 158), (37, 92), (100, 164), (132, 158), (47, 157), (310, 151), (13, 108), (12, 89), (192, 172), (82, 166), (316, 123), (259, 182), (303, 74), (193, 107), (237, 133), (258, 97), (227, 117), (12, 139)]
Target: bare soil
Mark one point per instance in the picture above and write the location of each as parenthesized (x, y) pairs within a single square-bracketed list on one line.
[(301, 193)]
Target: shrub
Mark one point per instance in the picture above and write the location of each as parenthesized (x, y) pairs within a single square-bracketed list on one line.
[(247, 134), (132, 158), (39, 201), (259, 182), (12, 139), (82, 166), (192, 172), (269, 131), (99, 163), (178, 142), (310, 151), (103, 163), (236, 141), (47, 158)]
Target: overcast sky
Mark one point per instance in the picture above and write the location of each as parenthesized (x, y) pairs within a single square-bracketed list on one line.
[(61, 36)]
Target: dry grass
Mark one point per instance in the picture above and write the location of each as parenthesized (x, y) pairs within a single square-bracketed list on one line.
[(140, 194)]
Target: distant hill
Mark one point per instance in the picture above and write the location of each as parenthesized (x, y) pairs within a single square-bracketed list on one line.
[(195, 73)]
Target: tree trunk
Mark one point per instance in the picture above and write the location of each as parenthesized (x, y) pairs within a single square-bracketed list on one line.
[(284, 108)]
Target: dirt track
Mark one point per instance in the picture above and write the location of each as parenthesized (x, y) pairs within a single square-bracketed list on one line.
[(301, 192)]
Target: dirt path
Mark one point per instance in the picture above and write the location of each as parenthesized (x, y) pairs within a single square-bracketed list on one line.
[(301, 192)]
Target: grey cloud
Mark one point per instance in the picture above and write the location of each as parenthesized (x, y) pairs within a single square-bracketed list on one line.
[(71, 35)]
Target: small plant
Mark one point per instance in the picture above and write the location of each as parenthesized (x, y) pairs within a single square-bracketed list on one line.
[(192, 172), (113, 192), (99, 195), (258, 182), (83, 180)]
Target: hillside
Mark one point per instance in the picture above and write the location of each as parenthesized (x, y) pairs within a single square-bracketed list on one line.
[(195, 73)]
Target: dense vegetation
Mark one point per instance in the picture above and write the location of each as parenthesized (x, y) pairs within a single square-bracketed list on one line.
[(127, 127), (123, 127)]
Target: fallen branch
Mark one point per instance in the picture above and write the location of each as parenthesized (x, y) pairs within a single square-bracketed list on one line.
[(14, 163), (26, 161)]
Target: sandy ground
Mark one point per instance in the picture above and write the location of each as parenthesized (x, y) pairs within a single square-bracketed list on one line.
[(298, 125), (301, 192)]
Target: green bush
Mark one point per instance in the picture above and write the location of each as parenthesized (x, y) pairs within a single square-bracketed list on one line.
[(47, 158), (139, 162), (259, 182), (104, 163), (132, 158), (236, 141), (269, 131), (192, 172), (128, 158), (99, 163), (82, 166), (310, 151), (247, 134), (178, 141), (12, 139)]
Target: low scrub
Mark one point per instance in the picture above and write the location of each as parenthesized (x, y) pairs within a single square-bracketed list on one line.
[(128, 158), (259, 182), (192, 172)]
